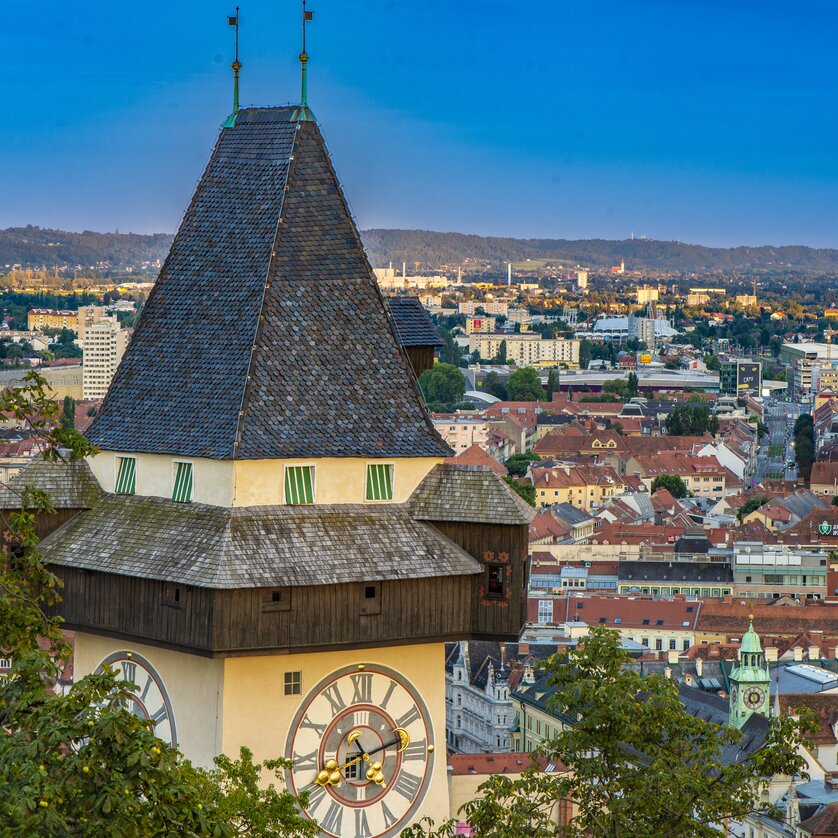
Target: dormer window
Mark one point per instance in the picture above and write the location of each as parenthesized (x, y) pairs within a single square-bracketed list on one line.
[(379, 481), (126, 475), (182, 491), (299, 485)]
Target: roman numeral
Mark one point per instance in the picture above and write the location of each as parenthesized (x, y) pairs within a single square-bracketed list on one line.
[(335, 699), (146, 688), (129, 671), (308, 761), (415, 750), (360, 718), (160, 716), (408, 718), (362, 828), (361, 688), (389, 817), (318, 729), (388, 695), (408, 785), (333, 817), (315, 798)]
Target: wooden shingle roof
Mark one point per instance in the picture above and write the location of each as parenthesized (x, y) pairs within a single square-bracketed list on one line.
[(254, 547), (69, 485), (265, 335)]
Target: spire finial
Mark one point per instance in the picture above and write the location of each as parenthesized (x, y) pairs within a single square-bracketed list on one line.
[(303, 114), (233, 20)]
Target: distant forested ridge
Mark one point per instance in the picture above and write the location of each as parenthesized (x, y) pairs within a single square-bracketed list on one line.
[(428, 248), (36, 247)]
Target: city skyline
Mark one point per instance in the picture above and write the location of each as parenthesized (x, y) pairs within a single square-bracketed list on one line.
[(680, 123)]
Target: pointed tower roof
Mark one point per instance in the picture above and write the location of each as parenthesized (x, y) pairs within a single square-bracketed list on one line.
[(265, 336), (750, 640)]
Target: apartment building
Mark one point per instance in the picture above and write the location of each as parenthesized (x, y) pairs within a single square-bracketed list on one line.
[(705, 477), (491, 307), (581, 486), (771, 571), (527, 349), (104, 346), (461, 430), (50, 318), (89, 316)]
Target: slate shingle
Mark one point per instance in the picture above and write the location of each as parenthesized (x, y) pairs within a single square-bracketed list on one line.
[(265, 335), (412, 322)]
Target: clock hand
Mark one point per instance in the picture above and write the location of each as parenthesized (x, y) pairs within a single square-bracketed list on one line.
[(402, 739)]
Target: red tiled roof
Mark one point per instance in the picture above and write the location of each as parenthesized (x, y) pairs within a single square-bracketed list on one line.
[(481, 764), (824, 473), (823, 823), (731, 618), (593, 610), (474, 455)]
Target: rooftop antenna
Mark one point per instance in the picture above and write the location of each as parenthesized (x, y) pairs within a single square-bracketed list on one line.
[(233, 20), (303, 114)]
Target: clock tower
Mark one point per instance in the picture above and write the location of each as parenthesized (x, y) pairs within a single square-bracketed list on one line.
[(279, 550), (749, 681)]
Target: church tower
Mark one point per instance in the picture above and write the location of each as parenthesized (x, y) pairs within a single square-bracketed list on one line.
[(749, 681), (279, 551)]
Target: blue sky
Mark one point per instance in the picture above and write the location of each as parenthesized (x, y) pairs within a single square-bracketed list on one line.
[(713, 121)]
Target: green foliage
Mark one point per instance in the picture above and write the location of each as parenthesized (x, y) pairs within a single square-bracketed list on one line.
[(442, 384), (68, 412), (692, 418), (641, 764), (494, 386), (518, 464), (500, 358), (525, 490), (552, 384), (712, 362), (524, 385), (747, 508), (804, 444), (617, 427), (83, 764), (619, 389), (671, 482), (631, 385)]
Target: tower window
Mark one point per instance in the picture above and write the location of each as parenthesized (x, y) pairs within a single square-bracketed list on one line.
[(172, 595), (371, 598), (495, 578), (126, 475), (182, 491), (294, 683), (277, 599), (379, 481), (299, 485)]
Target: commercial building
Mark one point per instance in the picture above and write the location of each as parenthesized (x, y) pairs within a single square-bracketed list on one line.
[(804, 359), (740, 378), (104, 346), (769, 571)]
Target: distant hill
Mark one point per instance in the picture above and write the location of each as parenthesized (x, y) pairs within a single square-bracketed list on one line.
[(429, 249), (36, 247)]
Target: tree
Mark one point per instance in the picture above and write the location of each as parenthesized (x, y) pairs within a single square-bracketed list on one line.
[(518, 464), (500, 358), (804, 444), (642, 765), (525, 490), (692, 419), (68, 415), (83, 764), (617, 388), (442, 383), (617, 427), (673, 483), (524, 385), (494, 386), (552, 384), (631, 384), (649, 393)]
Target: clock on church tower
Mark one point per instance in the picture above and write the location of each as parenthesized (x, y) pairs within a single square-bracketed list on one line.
[(750, 681), (276, 550)]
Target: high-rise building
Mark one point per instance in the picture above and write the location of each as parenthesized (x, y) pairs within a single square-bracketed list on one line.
[(646, 294), (104, 346), (87, 317), (581, 280)]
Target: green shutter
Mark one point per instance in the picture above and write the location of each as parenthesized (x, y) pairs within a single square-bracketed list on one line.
[(183, 483), (379, 481), (126, 478), (299, 485)]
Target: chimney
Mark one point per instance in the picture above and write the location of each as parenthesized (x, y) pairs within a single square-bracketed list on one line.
[(798, 653), (404, 270), (771, 654), (699, 666), (814, 653), (672, 656), (833, 653), (523, 648), (509, 273)]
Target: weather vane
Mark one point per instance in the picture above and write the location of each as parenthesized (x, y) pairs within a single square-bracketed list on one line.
[(233, 20), (303, 113)]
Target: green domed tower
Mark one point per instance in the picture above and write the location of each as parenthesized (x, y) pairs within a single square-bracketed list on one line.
[(750, 682)]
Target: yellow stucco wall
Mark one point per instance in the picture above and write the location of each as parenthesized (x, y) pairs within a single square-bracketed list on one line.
[(194, 684), (258, 713), (260, 482)]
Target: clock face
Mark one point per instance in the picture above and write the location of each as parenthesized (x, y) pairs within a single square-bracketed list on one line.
[(150, 700), (754, 697), (362, 746)]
